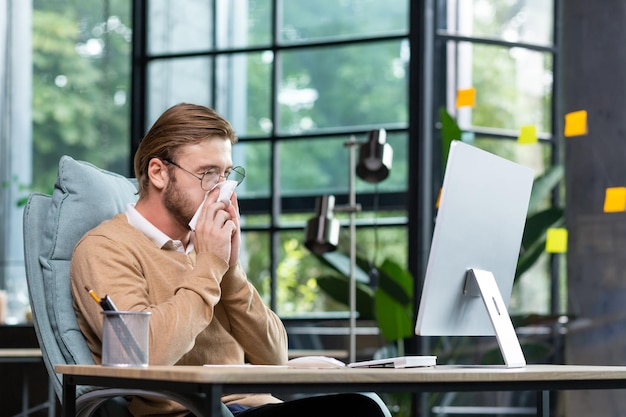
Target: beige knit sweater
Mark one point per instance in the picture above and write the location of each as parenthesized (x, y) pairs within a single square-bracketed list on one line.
[(202, 311)]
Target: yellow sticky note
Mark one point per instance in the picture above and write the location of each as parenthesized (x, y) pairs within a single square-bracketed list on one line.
[(576, 123), (438, 198), (527, 135), (615, 199), (556, 240), (466, 97)]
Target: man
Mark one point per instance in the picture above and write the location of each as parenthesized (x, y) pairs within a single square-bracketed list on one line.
[(204, 310)]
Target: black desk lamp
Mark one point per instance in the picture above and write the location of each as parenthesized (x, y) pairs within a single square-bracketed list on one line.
[(322, 231), (375, 157)]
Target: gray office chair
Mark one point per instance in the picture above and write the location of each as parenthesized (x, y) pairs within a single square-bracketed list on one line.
[(84, 196)]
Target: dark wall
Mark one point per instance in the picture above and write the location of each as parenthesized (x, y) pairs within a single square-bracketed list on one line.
[(594, 79), (12, 374)]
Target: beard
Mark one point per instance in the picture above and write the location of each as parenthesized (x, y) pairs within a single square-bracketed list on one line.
[(178, 203)]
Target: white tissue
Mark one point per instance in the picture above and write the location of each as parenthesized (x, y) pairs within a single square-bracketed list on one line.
[(226, 190)]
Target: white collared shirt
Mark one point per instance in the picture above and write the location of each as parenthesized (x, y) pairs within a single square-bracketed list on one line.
[(159, 238)]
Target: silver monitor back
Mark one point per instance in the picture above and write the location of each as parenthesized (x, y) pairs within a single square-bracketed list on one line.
[(480, 222)]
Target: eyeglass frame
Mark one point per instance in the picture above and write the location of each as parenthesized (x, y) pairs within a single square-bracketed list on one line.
[(238, 169)]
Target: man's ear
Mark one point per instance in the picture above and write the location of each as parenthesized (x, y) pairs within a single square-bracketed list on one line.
[(158, 174)]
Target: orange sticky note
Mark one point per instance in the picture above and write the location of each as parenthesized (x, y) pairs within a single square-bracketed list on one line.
[(466, 97), (615, 199), (527, 135), (438, 198), (556, 240), (576, 123)]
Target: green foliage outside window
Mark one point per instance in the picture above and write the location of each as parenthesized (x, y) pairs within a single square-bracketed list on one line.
[(81, 79)]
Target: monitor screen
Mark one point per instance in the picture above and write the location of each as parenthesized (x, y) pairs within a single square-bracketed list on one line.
[(479, 225)]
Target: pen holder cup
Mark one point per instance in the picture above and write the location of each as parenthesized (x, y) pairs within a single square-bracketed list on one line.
[(125, 338)]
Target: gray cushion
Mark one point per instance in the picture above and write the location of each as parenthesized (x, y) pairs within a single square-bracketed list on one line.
[(83, 197)]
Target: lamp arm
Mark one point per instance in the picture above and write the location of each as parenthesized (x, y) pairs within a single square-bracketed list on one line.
[(352, 279)]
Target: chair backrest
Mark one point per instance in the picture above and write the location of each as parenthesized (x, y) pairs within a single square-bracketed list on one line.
[(83, 197)]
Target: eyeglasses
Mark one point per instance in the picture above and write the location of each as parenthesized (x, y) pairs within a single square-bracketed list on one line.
[(212, 176)]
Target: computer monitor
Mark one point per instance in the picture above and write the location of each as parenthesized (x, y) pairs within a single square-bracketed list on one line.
[(475, 247)]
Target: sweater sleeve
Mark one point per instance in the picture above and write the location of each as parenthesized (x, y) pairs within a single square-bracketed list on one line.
[(133, 277), (255, 326)]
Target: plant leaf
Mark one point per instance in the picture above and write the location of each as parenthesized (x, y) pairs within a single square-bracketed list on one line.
[(534, 239), (393, 302), (396, 282), (337, 287), (538, 223), (395, 321), (529, 257), (543, 186)]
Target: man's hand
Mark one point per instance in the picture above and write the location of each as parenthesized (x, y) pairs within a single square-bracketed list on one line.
[(216, 227), (235, 243)]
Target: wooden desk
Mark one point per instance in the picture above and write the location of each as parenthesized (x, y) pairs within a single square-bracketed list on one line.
[(20, 355), (216, 381)]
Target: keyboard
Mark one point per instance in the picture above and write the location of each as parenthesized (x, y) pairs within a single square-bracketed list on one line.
[(397, 362)]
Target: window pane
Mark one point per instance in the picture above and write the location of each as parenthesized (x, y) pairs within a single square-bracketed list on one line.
[(525, 21), (306, 20), (355, 85), (255, 259), (255, 157), (178, 80), (314, 166), (297, 272), (244, 23), (513, 86), (243, 88), (186, 25), (81, 94), (535, 157), (179, 26), (242, 81), (380, 243)]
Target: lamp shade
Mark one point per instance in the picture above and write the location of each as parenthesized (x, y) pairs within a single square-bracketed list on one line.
[(322, 231), (375, 157)]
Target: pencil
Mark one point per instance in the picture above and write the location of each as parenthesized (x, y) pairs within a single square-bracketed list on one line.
[(93, 295), (105, 302)]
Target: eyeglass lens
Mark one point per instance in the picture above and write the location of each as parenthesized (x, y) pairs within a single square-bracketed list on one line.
[(236, 174)]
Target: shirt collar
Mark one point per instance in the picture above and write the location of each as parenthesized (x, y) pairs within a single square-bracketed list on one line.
[(163, 241)]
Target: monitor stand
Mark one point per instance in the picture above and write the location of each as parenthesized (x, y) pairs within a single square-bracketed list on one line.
[(482, 283)]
